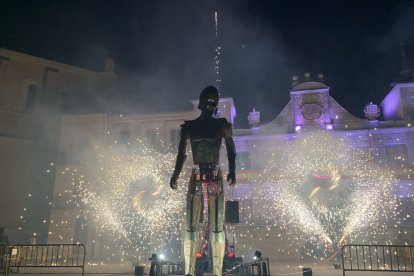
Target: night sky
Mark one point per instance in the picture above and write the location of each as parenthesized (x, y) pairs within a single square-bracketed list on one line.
[(164, 50)]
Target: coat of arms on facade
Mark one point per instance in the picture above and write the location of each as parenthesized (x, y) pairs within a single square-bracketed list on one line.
[(372, 111), (311, 106)]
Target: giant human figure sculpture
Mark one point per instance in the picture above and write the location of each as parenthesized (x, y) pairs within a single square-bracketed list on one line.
[(205, 134)]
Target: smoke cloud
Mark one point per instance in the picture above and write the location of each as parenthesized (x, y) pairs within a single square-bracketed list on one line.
[(164, 50)]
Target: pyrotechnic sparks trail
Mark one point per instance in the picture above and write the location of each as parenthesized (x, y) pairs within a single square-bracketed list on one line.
[(322, 192), (328, 190), (217, 50), (125, 192)]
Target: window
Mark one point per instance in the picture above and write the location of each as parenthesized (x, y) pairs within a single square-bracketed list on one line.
[(70, 153), (174, 138), (63, 157), (30, 98), (124, 137), (397, 155), (243, 160), (407, 209), (83, 144), (245, 211), (151, 137), (76, 156), (81, 231)]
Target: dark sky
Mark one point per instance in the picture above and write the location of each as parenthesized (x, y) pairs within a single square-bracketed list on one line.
[(164, 50)]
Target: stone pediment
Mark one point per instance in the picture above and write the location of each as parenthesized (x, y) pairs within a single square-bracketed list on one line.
[(309, 86), (311, 106)]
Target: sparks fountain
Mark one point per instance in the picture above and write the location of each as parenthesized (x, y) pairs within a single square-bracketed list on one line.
[(316, 192)]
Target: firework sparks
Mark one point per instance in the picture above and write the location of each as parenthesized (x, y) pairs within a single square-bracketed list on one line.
[(327, 189), (125, 192), (318, 188)]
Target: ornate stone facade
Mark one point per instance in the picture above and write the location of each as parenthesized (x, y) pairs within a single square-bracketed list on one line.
[(34, 92), (390, 143), (38, 147)]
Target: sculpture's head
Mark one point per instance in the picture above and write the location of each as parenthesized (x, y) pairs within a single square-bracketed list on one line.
[(209, 99)]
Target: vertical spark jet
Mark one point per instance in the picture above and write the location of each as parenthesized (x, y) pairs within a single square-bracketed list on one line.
[(217, 51)]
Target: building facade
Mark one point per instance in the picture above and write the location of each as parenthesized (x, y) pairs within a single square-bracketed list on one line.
[(34, 92), (388, 141), (42, 144)]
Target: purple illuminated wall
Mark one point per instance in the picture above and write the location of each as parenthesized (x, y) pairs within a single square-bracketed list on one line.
[(391, 105)]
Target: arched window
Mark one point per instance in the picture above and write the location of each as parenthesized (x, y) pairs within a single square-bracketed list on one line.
[(30, 98), (124, 137)]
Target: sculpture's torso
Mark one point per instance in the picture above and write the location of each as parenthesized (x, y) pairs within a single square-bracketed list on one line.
[(205, 134), (205, 137)]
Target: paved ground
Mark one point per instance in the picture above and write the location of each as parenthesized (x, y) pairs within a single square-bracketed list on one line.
[(276, 269)]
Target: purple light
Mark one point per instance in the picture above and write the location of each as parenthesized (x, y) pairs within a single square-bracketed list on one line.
[(329, 126), (320, 177), (391, 104), (297, 128), (233, 113)]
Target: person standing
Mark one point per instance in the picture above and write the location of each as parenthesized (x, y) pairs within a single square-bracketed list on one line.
[(4, 245)]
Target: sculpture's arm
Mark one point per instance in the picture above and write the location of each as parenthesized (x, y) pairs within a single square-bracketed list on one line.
[(181, 157), (231, 154)]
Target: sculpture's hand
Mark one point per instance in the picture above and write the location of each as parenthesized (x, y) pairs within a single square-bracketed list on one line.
[(231, 178), (173, 182)]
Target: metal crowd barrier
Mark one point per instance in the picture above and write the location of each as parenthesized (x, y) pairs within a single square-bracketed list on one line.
[(166, 268), (388, 258), (258, 267), (170, 268), (46, 255)]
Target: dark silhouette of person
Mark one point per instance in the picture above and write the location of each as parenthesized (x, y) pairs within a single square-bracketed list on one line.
[(4, 244)]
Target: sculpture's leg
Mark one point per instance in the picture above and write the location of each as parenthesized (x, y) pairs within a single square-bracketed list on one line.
[(216, 218), (194, 204)]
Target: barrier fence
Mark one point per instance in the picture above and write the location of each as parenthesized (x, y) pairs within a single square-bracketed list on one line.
[(46, 255), (162, 268), (259, 267), (389, 258)]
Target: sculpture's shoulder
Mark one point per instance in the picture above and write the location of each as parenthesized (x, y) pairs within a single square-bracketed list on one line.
[(224, 123), (225, 127), (215, 123), (189, 124)]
